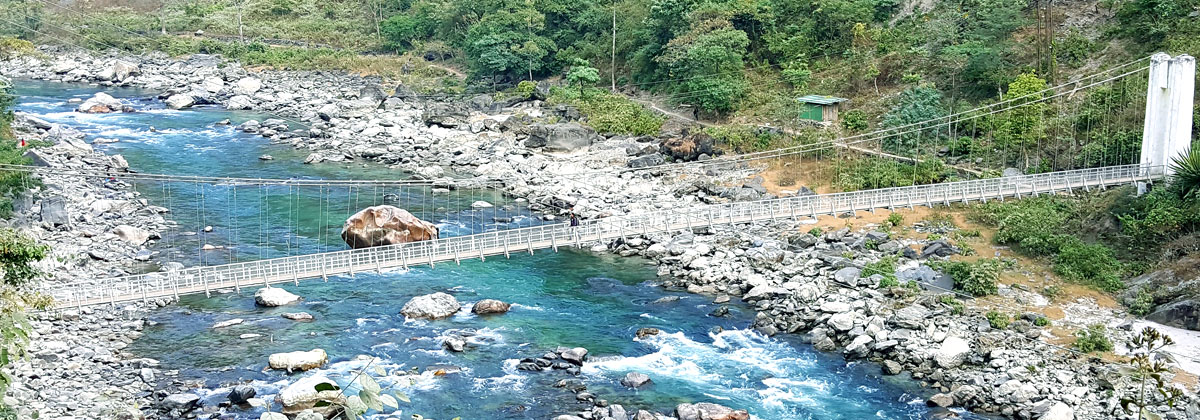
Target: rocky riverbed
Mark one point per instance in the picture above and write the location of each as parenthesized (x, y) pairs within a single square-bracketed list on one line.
[(798, 282), (96, 228)]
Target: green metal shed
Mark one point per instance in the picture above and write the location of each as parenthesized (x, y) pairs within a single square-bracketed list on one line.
[(819, 107)]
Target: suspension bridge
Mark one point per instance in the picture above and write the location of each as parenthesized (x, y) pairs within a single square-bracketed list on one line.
[(1084, 146)]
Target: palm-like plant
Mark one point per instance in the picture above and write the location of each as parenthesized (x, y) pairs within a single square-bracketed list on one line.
[(1187, 173)]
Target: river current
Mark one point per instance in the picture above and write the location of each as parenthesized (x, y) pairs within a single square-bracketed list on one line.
[(567, 298)]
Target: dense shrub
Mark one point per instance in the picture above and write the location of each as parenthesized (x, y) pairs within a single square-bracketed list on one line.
[(609, 113), (13, 47), (871, 173), (977, 278), (1091, 264), (956, 306), (998, 320), (1093, 339), (744, 139), (854, 120), (1034, 225), (886, 267), (895, 219)]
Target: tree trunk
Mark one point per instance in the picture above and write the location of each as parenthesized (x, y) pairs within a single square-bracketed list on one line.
[(612, 65), (241, 35)]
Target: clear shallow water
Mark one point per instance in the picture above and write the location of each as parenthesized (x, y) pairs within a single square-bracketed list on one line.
[(250, 221), (569, 298)]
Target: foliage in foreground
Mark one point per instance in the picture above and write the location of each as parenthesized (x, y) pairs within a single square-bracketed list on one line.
[(1149, 367), (17, 296), (1187, 174)]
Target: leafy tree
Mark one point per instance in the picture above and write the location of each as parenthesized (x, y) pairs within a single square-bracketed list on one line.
[(1151, 22), (507, 41), (402, 31), (23, 17), (797, 74), (915, 104), (707, 61), (582, 74), (1023, 127), (12, 183), (666, 20)]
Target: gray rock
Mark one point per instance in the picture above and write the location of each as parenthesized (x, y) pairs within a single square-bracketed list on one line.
[(298, 316), (133, 235), (274, 296), (309, 415), (635, 380), (911, 317), (490, 306), (847, 276), (938, 248), (940, 400), (843, 321), (241, 393), (952, 352), (575, 355), (646, 161), (431, 306), (54, 211), (180, 101), (455, 344), (709, 411), (563, 137), (181, 402), (445, 115), (892, 367)]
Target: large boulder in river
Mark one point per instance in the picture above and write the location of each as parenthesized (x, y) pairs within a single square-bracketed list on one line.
[(709, 411), (689, 148), (490, 306), (304, 395), (100, 103), (274, 296), (180, 101), (385, 225), (566, 137), (432, 306), (240, 102), (298, 360)]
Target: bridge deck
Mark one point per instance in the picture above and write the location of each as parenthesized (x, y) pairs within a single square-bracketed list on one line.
[(506, 242)]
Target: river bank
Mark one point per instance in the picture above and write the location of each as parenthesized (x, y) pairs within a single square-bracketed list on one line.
[(77, 361), (797, 283)]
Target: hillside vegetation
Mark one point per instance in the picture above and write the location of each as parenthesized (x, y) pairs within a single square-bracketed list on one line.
[(726, 58)]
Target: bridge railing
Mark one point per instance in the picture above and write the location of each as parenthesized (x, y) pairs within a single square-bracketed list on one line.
[(294, 268)]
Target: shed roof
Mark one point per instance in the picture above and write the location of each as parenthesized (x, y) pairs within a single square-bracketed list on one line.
[(820, 99)]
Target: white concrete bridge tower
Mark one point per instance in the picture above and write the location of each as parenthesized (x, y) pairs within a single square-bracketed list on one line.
[(1169, 96)]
